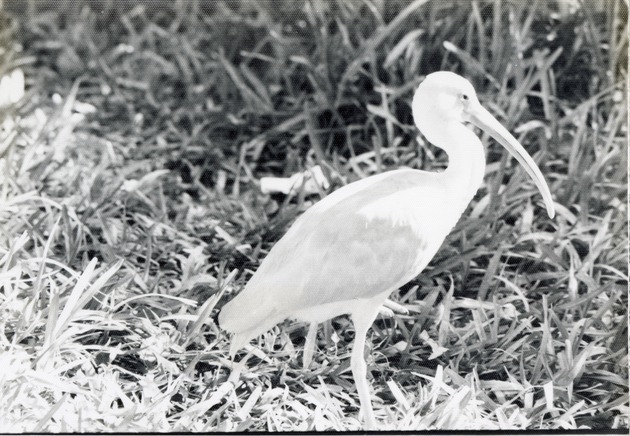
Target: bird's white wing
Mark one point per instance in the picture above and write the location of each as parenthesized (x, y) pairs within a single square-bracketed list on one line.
[(360, 241)]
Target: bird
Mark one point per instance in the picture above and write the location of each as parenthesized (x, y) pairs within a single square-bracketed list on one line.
[(348, 252)]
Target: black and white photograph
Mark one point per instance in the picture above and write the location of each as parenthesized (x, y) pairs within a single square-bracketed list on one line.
[(314, 216)]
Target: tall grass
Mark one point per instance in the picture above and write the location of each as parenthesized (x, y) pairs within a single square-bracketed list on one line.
[(130, 211)]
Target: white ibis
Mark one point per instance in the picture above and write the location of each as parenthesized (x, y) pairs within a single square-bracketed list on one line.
[(348, 252)]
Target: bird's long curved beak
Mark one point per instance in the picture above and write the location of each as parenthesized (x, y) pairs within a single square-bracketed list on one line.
[(483, 119)]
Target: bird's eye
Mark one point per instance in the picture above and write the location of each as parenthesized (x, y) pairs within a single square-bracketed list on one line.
[(464, 97)]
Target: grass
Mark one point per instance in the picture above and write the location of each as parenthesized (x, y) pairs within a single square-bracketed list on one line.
[(130, 212)]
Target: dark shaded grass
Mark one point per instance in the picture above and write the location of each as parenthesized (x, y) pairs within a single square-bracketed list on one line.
[(131, 195)]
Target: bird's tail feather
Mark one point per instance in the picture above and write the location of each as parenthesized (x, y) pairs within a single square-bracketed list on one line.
[(242, 338), (238, 341)]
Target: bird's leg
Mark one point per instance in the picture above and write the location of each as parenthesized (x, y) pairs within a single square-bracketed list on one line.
[(309, 345), (363, 319)]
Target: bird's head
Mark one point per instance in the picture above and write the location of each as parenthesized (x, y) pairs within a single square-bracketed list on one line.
[(444, 101), (443, 97)]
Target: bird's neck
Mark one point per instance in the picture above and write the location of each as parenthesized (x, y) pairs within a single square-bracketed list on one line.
[(466, 160)]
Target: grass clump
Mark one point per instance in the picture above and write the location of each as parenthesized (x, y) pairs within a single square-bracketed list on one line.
[(130, 211)]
